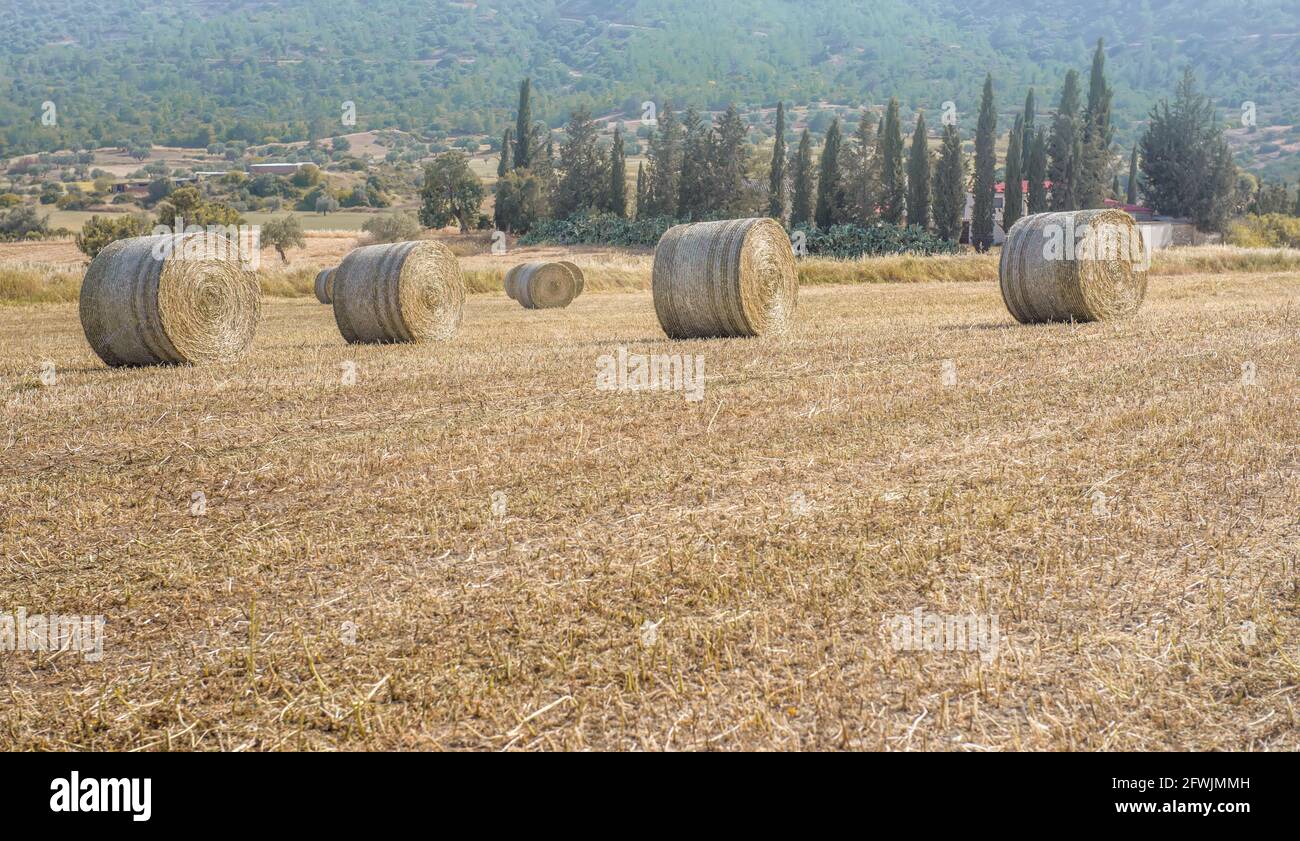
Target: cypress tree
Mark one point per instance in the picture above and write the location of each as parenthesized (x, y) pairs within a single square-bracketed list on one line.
[(1061, 145), (1012, 198), (1027, 136), (1036, 172), (693, 194), (1133, 176), (918, 176), (801, 202), (776, 176), (642, 197), (950, 186), (860, 173), (665, 165), (892, 179), (524, 127), (726, 170), (981, 232), (1095, 163), (617, 201), (829, 191), (507, 161), (584, 175)]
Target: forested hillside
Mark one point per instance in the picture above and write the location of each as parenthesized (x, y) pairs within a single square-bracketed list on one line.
[(194, 71)]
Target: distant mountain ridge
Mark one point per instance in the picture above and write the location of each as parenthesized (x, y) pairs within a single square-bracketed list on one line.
[(186, 71)]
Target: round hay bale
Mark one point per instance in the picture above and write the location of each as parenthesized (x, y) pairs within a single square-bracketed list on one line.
[(731, 278), (544, 285), (398, 292), (1084, 265), (509, 282), (325, 286), (170, 299), (576, 271)]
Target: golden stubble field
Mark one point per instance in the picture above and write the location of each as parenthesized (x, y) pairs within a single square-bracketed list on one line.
[(472, 547)]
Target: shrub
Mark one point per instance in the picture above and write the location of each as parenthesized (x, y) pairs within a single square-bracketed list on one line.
[(848, 242), (1269, 231), (23, 223), (284, 233), (398, 226), (99, 231)]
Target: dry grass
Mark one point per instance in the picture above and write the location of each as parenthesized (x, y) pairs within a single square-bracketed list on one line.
[(366, 510)]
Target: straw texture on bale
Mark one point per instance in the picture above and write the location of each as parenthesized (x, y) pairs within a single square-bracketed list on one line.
[(325, 286), (576, 271), (169, 299), (1085, 265), (398, 292), (543, 285), (721, 279)]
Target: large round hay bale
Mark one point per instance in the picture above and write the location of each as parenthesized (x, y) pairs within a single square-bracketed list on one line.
[(576, 271), (399, 292), (325, 286), (544, 285), (1084, 265), (170, 298), (729, 278)]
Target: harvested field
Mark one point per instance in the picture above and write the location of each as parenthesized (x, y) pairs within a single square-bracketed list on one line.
[(473, 547)]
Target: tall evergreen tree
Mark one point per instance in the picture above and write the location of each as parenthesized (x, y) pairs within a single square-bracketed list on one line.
[(584, 175), (893, 181), (1096, 166), (1132, 195), (1036, 172), (507, 161), (860, 172), (918, 176), (1027, 135), (776, 175), (1186, 166), (727, 164), (981, 223), (665, 158), (693, 189), (801, 203), (950, 186), (1061, 145), (524, 127), (616, 202), (830, 192), (642, 190), (1012, 197)]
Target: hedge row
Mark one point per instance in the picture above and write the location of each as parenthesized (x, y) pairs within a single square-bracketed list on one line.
[(840, 241)]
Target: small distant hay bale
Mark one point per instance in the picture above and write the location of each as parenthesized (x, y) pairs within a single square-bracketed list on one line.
[(721, 279), (576, 271), (543, 285), (325, 286), (509, 281), (398, 292), (170, 299), (1085, 265)]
